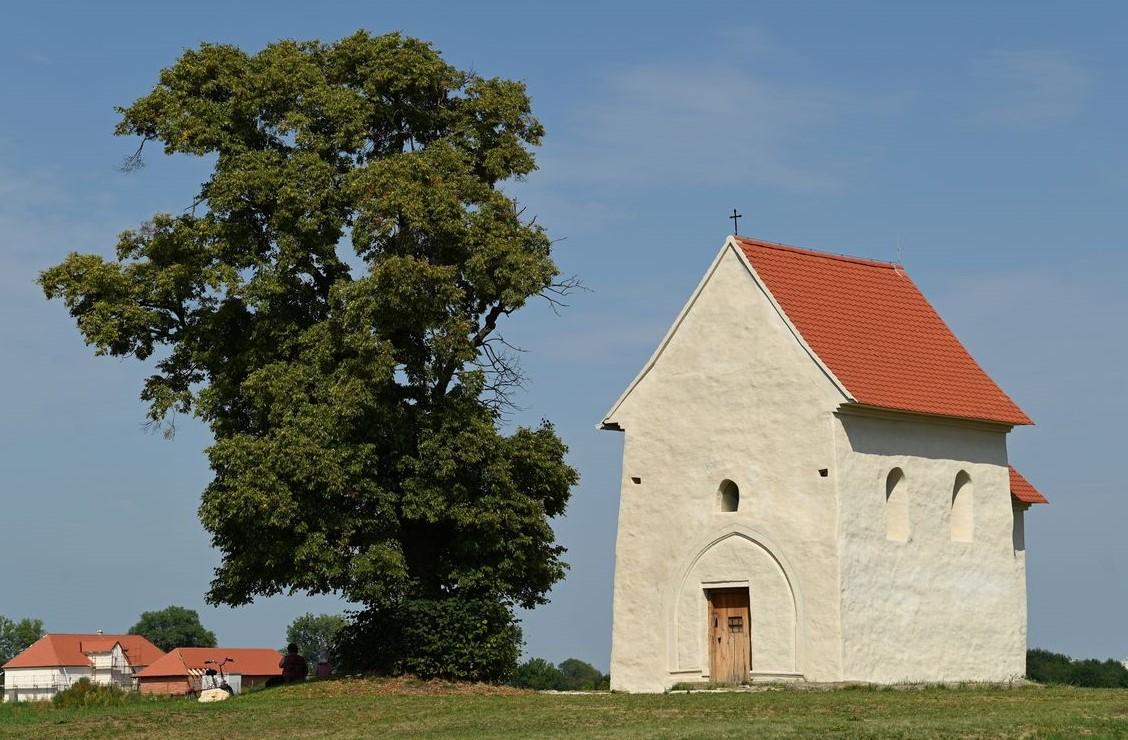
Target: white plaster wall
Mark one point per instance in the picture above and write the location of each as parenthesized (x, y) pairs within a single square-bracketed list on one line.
[(39, 684), (928, 609), (732, 395)]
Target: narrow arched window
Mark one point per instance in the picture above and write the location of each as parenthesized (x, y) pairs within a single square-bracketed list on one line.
[(963, 508), (1018, 527), (729, 495), (896, 507)]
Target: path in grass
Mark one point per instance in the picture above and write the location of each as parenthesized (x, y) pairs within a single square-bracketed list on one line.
[(363, 708)]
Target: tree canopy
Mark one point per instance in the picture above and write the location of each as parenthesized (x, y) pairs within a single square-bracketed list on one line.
[(572, 674), (15, 637), (315, 636), (330, 303), (173, 627)]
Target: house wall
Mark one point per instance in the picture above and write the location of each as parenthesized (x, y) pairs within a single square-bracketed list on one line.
[(929, 608), (733, 395), (163, 685), (40, 684)]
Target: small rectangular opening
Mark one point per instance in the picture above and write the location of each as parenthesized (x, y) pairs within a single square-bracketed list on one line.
[(636, 480), (823, 472)]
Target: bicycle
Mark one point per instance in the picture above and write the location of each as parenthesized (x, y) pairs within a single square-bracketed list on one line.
[(217, 675)]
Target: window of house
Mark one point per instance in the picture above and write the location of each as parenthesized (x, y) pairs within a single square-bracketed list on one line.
[(963, 505), (1018, 528), (896, 507), (729, 495)]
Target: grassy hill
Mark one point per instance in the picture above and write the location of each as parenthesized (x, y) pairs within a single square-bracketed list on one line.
[(368, 707)]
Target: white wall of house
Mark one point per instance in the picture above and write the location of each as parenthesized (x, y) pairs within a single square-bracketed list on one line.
[(40, 684)]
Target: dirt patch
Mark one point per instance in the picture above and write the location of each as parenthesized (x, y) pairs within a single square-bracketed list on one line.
[(401, 686)]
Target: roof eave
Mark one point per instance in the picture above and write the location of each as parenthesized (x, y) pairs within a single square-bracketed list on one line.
[(854, 408)]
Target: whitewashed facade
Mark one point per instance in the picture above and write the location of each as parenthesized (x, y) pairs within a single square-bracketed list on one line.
[(867, 545)]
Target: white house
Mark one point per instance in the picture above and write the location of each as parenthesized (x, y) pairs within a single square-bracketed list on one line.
[(815, 486), (56, 661)]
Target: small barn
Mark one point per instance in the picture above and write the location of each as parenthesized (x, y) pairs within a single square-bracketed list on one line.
[(56, 661), (184, 669)]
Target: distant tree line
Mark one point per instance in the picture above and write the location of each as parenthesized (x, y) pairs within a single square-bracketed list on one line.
[(1046, 667), (571, 675), (15, 637)]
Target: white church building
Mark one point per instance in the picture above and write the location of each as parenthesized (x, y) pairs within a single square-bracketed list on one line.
[(816, 487)]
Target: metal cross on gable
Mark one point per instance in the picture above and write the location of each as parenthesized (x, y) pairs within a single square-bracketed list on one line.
[(736, 221)]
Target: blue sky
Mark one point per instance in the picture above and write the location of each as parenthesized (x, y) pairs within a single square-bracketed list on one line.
[(985, 146)]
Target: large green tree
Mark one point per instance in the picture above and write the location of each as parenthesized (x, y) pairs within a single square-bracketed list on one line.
[(315, 636), (173, 627), (15, 637), (353, 394)]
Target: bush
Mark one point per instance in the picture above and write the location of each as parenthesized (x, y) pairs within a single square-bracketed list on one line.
[(571, 675), (539, 674), (459, 639), (1046, 667), (83, 693)]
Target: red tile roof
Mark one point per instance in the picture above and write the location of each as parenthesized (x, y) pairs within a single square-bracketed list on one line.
[(246, 662), (62, 649), (1022, 490), (872, 327)]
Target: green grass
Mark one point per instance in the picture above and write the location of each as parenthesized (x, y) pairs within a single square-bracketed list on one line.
[(366, 708)]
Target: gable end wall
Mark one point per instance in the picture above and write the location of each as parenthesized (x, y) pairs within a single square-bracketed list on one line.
[(734, 395)]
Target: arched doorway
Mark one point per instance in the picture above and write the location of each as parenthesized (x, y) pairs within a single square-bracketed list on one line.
[(735, 596)]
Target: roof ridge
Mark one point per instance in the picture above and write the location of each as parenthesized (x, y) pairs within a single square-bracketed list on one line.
[(816, 253)]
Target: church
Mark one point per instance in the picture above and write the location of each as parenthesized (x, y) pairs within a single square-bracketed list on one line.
[(815, 487)]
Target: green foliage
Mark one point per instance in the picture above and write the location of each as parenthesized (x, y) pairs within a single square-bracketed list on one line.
[(462, 639), (1046, 667), (83, 693), (572, 674), (539, 674), (354, 400), (581, 676), (173, 627), (315, 636), (15, 637)]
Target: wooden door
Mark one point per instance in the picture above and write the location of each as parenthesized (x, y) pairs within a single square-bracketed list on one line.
[(730, 644)]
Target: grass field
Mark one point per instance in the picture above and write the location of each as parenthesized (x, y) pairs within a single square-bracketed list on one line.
[(367, 708)]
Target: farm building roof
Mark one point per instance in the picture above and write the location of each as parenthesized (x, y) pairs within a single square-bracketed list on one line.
[(64, 649), (192, 660)]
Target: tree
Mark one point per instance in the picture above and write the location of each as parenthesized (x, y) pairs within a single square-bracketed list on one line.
[(539, 674), (315, 636), (1046, 667), (15, 637), (572, 674), (173, 627), (355, 400), (581, 676)]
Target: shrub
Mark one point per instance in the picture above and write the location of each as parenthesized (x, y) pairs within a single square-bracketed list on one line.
[(539, 674), (1046, 667), (459, 639), (83, 693), (571, 675)]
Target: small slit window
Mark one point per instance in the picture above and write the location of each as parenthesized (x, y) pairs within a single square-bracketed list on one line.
[(896, 507), (963, 508), (729, 495)]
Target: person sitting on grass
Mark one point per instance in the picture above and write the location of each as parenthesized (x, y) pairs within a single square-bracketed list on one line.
[(294, 667)]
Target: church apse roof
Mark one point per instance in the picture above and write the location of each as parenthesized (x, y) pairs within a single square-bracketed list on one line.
[(877, 333)]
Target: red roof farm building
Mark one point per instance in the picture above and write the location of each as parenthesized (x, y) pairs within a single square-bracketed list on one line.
[(183, 669), (57, 660)]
